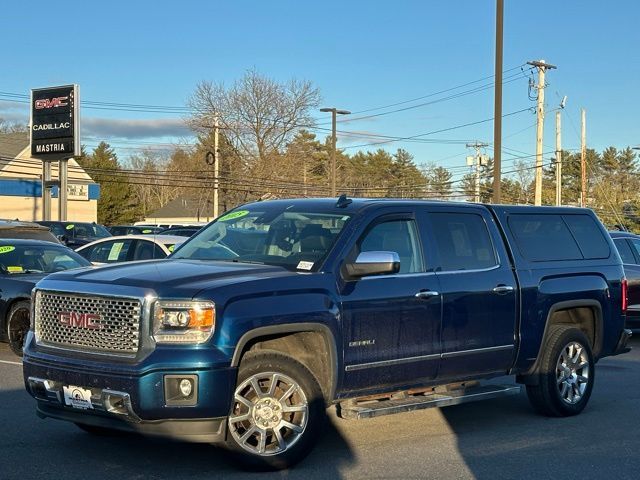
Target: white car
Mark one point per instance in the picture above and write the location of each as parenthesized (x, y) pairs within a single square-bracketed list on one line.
[(129, 248)]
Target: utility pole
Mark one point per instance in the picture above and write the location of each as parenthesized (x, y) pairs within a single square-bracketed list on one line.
[(583, 159), (334, 112), (542, 68), (497, 108), (216, 168), (477, 161), (558, 159)]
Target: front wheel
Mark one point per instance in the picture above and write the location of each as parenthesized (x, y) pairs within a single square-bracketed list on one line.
[(277, 411), (566, 374), (18, 326)]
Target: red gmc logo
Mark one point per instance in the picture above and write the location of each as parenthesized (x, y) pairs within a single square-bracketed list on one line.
[(51, 103), (84, 320)]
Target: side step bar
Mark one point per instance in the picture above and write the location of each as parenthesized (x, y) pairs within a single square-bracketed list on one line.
[(408, 401)]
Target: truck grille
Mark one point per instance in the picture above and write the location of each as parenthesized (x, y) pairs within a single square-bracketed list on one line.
[(108, 325)]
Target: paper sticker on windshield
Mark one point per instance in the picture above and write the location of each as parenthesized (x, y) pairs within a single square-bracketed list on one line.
[(305, 265), (233, 215), (146, 231), (14, 269), (115, 251), (171, 248), (7, 249), (70, 226)]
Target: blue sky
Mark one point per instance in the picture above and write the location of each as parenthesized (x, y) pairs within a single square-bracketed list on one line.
[(361, 54)]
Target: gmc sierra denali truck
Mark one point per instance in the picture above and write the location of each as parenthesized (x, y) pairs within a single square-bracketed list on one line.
[(277, 309)]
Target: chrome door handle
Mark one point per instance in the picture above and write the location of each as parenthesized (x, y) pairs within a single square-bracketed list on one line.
[(426, 294), (502, 289)]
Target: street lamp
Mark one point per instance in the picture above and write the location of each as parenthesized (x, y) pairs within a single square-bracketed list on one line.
[(334, 112)]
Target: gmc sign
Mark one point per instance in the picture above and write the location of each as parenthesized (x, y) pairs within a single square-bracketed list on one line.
[(79, 319), (54, 122)]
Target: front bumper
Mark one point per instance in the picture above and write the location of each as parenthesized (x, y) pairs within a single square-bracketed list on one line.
[(133, 397)]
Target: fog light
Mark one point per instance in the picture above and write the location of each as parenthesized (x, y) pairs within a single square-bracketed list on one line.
[(186, 387), (180, 390)]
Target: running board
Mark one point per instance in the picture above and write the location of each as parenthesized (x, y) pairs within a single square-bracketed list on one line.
[(408, 401)]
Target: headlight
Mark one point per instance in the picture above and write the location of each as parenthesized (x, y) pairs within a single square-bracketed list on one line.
[(177, 321)]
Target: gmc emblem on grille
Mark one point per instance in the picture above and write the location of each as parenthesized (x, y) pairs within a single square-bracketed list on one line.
[(77, 319)]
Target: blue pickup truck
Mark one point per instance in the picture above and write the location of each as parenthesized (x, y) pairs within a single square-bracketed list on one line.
[(278, 309)]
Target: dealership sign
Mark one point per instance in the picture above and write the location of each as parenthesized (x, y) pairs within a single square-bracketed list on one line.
[(55, 131)]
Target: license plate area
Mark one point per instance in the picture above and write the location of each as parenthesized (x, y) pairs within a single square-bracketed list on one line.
[(77, 397)]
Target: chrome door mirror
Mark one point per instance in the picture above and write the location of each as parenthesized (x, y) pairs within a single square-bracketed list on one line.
[(374, 263)]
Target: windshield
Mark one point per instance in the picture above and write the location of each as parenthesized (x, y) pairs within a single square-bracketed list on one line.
[(294, 240), (17, 259)]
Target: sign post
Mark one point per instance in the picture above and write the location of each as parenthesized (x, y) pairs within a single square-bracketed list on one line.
[(55, 135)]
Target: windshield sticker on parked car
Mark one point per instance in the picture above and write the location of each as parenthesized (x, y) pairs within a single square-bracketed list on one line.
[(171, 248), (146, 231), (70, 226), (233, 215), (15, 269), (7, 249), (115, 251), (305, 265)]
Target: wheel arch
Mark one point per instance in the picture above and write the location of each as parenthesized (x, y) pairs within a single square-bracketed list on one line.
[(294, 339), (585, 314)]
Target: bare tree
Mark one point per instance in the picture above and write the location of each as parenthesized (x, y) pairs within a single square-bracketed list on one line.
[(258, 115)]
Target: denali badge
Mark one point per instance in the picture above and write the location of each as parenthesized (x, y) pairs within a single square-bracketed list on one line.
[(84, 320)]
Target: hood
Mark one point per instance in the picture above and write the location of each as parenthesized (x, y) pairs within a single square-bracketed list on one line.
[(167, 278)]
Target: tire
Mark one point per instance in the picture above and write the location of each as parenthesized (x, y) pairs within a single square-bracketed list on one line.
[(99, 431), (278, 426), (18, 325), (566, 373)]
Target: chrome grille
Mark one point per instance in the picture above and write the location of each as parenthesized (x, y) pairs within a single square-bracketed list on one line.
[(95, 324)]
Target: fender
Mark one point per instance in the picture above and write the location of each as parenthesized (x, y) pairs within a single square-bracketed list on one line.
[(293, 328), (593, 304)]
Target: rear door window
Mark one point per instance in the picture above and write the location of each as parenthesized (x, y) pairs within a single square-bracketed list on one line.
[(463, 242)]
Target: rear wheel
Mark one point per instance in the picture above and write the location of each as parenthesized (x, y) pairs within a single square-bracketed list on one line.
[(277, 412), (566, 374), (18, 326)]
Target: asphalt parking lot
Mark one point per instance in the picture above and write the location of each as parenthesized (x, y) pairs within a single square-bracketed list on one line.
[(499, 438)]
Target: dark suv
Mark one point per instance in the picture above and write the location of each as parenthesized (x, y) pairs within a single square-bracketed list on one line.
[(76, 234), (628, 245)]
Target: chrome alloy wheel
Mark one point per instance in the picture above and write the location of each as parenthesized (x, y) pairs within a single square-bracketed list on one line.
[(269, 415), (572, 372)]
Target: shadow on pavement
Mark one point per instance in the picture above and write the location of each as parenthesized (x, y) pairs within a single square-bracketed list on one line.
[(505, 438), (34, 448)]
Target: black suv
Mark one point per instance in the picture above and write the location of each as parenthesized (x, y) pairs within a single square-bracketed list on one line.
[(628, 245), (76, 234)]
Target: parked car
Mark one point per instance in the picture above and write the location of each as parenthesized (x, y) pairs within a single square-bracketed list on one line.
[(133, 230), (129, 248), (76, 234), (22, 264), (181, 231), (628, 245), (26, 230), (279, 308)]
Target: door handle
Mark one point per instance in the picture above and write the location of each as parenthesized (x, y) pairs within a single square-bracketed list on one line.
[(502, 289), (426, 294)]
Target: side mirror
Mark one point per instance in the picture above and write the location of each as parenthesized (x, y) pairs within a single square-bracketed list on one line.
[(374, 263), (62, 238)]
